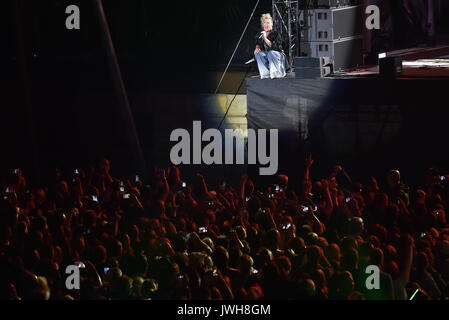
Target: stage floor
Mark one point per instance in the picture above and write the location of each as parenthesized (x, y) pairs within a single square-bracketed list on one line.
[(421, 68)]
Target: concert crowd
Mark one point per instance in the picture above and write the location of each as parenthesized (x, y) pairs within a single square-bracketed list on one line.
[(165, 238)]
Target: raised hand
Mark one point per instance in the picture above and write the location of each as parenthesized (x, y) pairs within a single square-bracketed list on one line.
[(309, 161), (338, 169), (325, 184), (199, 175)]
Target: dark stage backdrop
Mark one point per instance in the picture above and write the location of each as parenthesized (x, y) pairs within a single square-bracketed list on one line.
[(174, 34), (363, 124)]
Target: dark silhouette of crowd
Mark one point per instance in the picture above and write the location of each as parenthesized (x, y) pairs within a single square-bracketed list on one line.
[(166, 238)]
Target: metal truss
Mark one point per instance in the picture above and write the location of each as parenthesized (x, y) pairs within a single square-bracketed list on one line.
[(286, 22)]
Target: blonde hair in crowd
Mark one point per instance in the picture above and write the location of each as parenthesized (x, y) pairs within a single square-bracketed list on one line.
[(265, 17)]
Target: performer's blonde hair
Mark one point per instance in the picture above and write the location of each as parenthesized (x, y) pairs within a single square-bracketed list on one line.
[(265, 17)]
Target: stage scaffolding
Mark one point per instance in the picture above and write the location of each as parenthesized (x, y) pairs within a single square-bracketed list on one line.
[(286, 22)]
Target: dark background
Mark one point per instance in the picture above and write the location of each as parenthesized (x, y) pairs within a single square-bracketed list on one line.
[(57, 97)]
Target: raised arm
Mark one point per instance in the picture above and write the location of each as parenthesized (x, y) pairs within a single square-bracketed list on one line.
[(329, 207), (307, 183), (205, 191), (243, 182), (407, 259), (163, 185)]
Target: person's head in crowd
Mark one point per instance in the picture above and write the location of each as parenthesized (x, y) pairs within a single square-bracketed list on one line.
[(298, 245), (140, 265), (98, 256), (390, 253), (115, 249), (285, 265), (32, 287), (273, 239), (125, 240), (149, 288), (112, 275), (356, 228), (164, 248), (419, 198), (333, 254), (319, 278), (364, 251), (422, 262), (311, 238), (350, 260), (322, 242), (380, 232), (220, 258), (255, 293), (123, 288), (317, 187), (287, 232), (42, 291), (348, 243), (241, 232), (245, 264), (304, 230), (372, 185), (377, 258), (165, 272), (346, 284), (314, 255), (221, 241), (234, 255), (369, 190), (374, 241), (393, 178), (253, 238), (282, 181), (208, 241), (392, 269), (264, 258), (136, 289), (307, 288), (39, 197)]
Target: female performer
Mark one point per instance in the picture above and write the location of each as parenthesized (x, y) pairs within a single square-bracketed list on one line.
[(269, 56)]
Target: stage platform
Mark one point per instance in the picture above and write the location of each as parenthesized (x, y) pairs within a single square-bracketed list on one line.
[(356, 116)]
